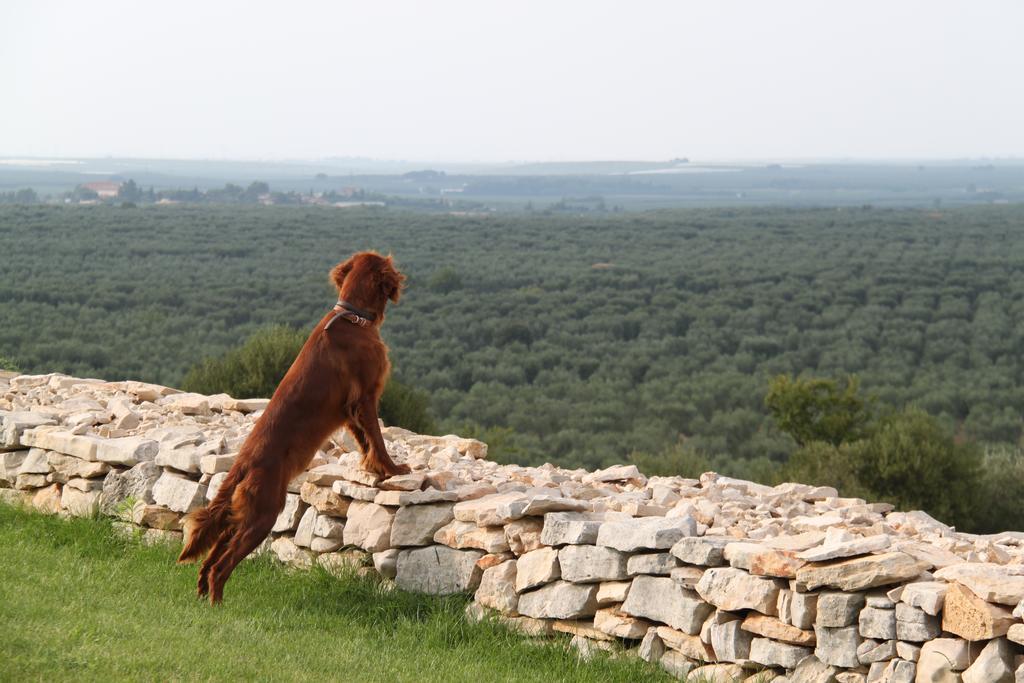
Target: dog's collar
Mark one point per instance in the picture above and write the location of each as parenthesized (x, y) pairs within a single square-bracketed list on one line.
[(354, 309), (353, 314)]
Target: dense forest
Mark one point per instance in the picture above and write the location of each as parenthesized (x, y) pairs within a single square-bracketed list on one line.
[(564, 338)]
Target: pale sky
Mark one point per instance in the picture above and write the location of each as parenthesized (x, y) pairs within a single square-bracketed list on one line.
[(494, 81)]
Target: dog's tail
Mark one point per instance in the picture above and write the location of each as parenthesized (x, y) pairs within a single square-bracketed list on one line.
[(203, 526)]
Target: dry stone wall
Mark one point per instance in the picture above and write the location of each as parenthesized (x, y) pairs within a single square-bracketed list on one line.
[(714, 576)]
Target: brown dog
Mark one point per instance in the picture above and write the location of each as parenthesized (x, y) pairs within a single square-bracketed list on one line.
[(336, 381)]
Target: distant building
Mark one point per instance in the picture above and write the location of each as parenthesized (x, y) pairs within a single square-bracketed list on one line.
[(105, 189)]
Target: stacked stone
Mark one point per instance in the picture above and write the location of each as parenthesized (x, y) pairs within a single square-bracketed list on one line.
[(716, 578)]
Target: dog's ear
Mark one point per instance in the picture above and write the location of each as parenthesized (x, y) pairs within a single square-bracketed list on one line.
[(391, 280), (340, 272)]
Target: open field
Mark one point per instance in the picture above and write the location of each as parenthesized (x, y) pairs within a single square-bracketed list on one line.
[(78, 603)]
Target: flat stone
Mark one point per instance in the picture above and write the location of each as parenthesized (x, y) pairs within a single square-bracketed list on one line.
[(437, 569), (691, 646), (497, 588), (584, 631), (838, 609), (662, 599), (183, 458), (717, 673), (80, 503), (942, 656), (287, 552), (813, 670), (730, 642), (214, 464), (368, 526), (770, 627), (290, 515), (676, 664), (915, 625), (413, 481), (615, 623), (127, 451), (178, 493), (325, 500), (687, 577), (860, 573), (772, 653), (613, 592), (386, 562), (537, 568), (871, 651), (763, 561), (416, 525), (84, 484), (319, 544), (803, 609), (571, 528), (968, 616), (304, 530), (355, 491), (877, 623), (477, 508), (928, 596), (458, 534), (592, 564), (523, 535), (652, 533), (653, 564), (14, 423), (560, 600), (733, 589), (47, 499), (837, 646), (706, 551), (860, 545), (403, 498), (155, 517), (995, 664), (1002, 585), (62, 441)]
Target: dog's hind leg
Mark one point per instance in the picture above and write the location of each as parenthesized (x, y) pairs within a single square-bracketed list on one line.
[(247, 538)]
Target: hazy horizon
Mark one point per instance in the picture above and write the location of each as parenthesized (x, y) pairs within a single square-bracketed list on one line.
[(463, 82)]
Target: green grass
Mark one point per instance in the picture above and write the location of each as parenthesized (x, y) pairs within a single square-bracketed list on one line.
[(79, 603)]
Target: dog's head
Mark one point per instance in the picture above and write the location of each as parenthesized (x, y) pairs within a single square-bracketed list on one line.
[(368, 279)]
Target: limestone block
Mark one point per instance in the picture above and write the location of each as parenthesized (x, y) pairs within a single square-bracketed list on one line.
[(126, 451), (838, 646), (290, 515), (968, 616), (733, 589), (860, 573), (762, 560), (178, 493), (537, 568), (135, 484), (615, 623), (304, 529), (662, 599), (560, 600), (877, 623), (770, 627), (730, 641), (995, 583), (653, 533), (772, 653), (706, 551), (80, 503), (497, 588), (437, 569), (653, 564), (591, 564), (368, 526), (995, 664), (460, 535), (416, 524), (325, 500), (837, 609)]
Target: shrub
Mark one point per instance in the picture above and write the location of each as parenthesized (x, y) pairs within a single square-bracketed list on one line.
[(816, 409), (679, 459), (7, 364), (255, 368)]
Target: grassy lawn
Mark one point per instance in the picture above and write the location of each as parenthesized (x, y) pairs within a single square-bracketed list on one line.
[(79, 603)]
